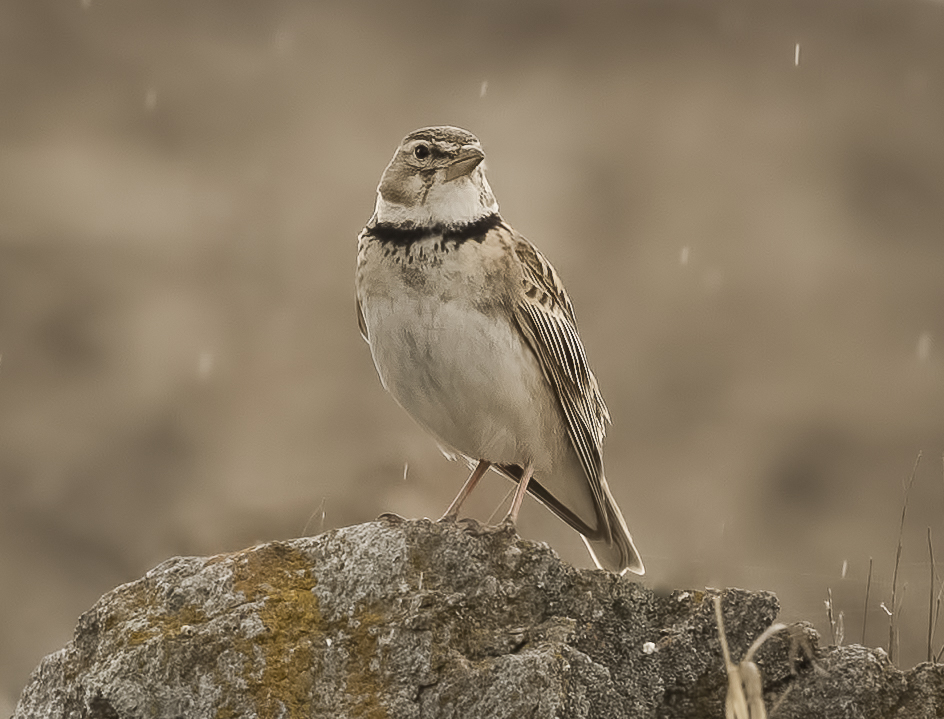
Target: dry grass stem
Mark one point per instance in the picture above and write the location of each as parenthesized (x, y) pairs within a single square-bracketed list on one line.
[(836, 625), (865, 612), (931, 601), (896, 601), (745, 697)]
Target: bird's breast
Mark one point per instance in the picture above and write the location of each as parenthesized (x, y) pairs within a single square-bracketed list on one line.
[(446, 346)]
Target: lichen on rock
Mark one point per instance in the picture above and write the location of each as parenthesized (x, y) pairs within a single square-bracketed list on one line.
[(405, 619)]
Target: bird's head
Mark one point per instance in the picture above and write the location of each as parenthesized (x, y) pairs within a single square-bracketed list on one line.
[(436, 177)]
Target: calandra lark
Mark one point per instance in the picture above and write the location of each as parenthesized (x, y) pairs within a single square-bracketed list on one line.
[(473, 334)]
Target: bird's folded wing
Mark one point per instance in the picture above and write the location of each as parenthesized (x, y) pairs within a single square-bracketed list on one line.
[(546, 317), (361, 324)]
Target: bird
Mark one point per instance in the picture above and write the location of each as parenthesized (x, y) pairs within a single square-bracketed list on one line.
[(471, 331)]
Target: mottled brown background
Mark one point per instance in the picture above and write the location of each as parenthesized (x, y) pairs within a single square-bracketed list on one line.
[(755, 250)]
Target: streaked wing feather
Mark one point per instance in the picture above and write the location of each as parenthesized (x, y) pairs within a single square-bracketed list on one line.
[(542, 284), (362, 326), (546, 318)]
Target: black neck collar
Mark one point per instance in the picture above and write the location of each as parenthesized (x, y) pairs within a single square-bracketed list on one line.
[(397, 235)]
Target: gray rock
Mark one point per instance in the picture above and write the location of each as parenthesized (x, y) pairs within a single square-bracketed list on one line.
[(415, 619)]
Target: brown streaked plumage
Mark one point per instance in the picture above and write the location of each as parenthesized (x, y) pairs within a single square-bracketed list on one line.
[(471, 330)]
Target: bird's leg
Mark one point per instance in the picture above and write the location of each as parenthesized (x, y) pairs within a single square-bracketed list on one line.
[(512, 516), (480, 469)]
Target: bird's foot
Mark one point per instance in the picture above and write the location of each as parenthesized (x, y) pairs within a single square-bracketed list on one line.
[(508, 526), (392, 518), (477, 529), (472, 526)]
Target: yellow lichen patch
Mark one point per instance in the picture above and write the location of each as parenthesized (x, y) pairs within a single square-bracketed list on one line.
[(168, 626), (364, 681), (141, 636), (280, 577), (276, 565)]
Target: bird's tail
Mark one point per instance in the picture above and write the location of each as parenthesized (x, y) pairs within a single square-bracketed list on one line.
[(615, 553)]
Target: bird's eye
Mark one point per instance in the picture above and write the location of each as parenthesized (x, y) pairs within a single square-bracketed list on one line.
[(421, 152)]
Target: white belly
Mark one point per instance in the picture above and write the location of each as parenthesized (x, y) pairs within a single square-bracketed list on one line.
[(468, 378)]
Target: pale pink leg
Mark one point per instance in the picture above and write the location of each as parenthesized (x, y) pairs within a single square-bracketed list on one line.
[(522, 490), (480, 469)]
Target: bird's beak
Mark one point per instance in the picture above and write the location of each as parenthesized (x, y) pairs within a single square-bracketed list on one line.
[(467, 160)]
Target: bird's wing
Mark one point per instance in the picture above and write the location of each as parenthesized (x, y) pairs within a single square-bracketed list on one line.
[(546, 317), (361, 260), (361, 325)]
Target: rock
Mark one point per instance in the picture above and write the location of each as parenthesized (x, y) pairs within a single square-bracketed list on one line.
[(407, 619)]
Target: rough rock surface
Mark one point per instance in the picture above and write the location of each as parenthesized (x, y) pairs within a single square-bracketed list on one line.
[(416, 619)]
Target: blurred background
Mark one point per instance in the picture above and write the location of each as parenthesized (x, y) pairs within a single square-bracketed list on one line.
[(745, 200)]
